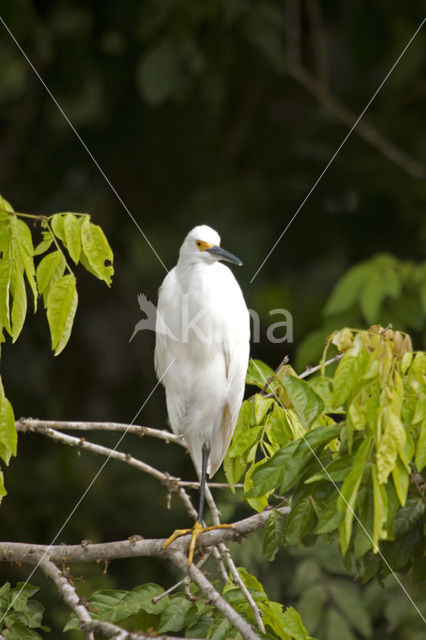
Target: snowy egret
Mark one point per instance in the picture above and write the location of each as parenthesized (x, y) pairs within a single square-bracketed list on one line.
[(201, 354)]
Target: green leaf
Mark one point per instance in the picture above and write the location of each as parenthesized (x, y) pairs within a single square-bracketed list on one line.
[(311, 606), (244, 442), (407, 516), (274, 535), (97, 250), (392, 441), (277, 427), (261, 407), (260, 500), (293, 625), (348, 289), (8, 435), (258, 373), (19, 305), (330, 517), (23, 252), (420, 459), (348, 373), (299, 522), (284, 467), (348, 493), (336, 471), (61, 308), (72, 236), (57, 224), (401, 480), (5, 272), (372, 296), (307, 404), (158, 72), (116, 605), (173, 617), (380, 509), (337, 627), (45, 243), (47, 268), (4, 204), (348, 598)]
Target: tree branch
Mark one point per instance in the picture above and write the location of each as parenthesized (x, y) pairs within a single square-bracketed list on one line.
[(85, 620), (172, 483), (26, 425), (364, 128), (134, 547)]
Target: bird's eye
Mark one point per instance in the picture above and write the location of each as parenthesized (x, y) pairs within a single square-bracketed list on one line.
[(198, 243)]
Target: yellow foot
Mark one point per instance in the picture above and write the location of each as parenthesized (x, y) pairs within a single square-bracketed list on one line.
[(195, 532)]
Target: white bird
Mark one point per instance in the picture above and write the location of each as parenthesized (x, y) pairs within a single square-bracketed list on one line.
[(202, 356)]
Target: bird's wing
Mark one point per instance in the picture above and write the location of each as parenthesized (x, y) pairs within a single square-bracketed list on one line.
[(235, 347), (167, 346)]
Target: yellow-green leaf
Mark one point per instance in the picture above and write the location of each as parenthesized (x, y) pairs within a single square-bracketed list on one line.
[(8, 436), (57, 224), (349, 491), (420, 459), (47, 268), (61, 307), (19, 304), (97, 250), (380, 499), (45, 243), (5, 270), (401, 481), (391, 442), (72, 236)]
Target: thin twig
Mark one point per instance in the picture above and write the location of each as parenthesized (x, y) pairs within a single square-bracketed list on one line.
[(309, 370), (134, 547), (32, 424), (364, 128), (169, 481), (319, 42), (293, 36), (214, 596), (225, 553)]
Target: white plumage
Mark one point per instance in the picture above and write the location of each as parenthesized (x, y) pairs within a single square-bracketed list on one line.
[(202, 346)]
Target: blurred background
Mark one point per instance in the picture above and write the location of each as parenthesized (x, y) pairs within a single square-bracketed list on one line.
[(223, 112)]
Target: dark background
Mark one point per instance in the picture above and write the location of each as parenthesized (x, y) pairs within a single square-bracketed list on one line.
[(198, 112)]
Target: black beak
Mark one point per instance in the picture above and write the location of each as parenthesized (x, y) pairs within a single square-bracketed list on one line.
[(224, 255)]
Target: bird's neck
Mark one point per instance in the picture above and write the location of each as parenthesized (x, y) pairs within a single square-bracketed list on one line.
[(189, 271)]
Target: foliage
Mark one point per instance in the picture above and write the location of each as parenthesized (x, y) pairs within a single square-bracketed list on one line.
[(52, 279), (24, 615), (146, 607), (380, 290), (334, 605), (349, 447)]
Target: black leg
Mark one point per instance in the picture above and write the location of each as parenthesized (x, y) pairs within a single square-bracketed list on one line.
[(206, 453)]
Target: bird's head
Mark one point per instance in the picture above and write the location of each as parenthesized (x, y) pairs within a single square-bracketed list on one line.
[(202, 244)]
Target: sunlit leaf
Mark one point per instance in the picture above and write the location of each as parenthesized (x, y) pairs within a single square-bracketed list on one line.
[(8, 435), (97, 250), (307, 404), (61, 308), (19, 304), (349, 491), (72, 236)]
